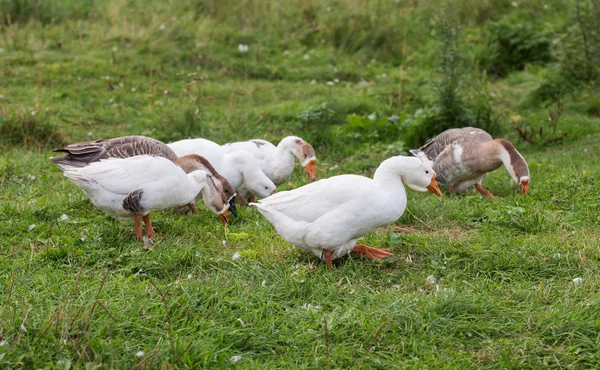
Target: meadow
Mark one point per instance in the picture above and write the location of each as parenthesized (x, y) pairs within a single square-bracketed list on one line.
[(473, 282)]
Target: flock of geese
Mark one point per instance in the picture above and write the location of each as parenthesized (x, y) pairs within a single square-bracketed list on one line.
[(129, 177)]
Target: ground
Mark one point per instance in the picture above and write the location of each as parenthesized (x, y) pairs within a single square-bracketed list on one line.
[(472, 283)]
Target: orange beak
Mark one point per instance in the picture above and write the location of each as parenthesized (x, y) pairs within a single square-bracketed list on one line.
[(525, 186), (274, 191), (310, 170), (433, 186), (224, 217)]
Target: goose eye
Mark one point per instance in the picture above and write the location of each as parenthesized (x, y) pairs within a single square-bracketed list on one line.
[(427, 172)]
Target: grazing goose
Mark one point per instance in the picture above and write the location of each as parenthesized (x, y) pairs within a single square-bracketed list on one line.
[(462, 157), (130, 188), (82, 154), (277, 162), (239, 168), (328, 217)]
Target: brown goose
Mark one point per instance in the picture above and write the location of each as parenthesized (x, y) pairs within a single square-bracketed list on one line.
[(82, 154), (462, 157)]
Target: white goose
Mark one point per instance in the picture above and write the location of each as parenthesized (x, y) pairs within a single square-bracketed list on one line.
[(277, 162), (84, 153), (239, 168), (130, 188), (328, 217), (463, 156)]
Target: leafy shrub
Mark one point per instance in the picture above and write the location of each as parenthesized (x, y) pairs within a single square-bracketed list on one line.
[(462, 100), (512, 46)]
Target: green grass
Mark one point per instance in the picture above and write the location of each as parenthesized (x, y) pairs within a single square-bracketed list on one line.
[(473, 283)]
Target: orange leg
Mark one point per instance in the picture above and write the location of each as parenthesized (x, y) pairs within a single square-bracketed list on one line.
[(486, 193), (372, 253), (252, 198), (192, 207), (137, 228), (149, 229), (452, 188), (328, 255)]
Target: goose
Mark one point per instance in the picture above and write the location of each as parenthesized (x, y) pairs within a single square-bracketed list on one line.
[(239, 168), (277, 162), (84, 153), (328, 217), (463, 156), (130, 188)]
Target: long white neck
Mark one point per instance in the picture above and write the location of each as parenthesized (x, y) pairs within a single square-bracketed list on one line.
[(505, 158), (282, 161)]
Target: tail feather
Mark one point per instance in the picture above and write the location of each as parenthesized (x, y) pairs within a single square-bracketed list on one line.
[(422, 156)]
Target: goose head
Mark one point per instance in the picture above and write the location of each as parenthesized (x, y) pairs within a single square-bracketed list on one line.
[(214, 199), (305, 154), (192, 162), (414, 173), (254, 179), (515, 164)]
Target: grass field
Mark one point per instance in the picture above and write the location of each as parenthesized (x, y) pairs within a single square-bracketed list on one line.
[(473, 282)]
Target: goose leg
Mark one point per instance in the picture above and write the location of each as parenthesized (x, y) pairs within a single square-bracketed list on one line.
[(328, 260), (452, 188), (149, 229), (137, 228), (192, 207), (372, 253), (486, 193)]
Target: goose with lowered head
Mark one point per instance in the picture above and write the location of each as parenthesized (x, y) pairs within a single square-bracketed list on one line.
[(82, 154), (328, 217), (130, 188), (239, 168), (462, 157), (277, 162)]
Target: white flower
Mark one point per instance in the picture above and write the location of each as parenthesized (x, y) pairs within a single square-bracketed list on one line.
[(372, 116), (306, 57), (545, 6), (133, 89), (63, 217), (1, 96), (166, 92), (79, 78), (31, 227), (189, 276), (235, 359), (33, 113), (578, 280), (140, 353), (336, 80), (235, 256), (90, 133), (224, 242), (162, 27), (431, 280), (330, 83), (196, 112), (114, 49), (514, 4), (243, 48)]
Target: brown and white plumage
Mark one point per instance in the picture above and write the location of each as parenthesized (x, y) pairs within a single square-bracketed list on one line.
[(84, 153), (462, 157)]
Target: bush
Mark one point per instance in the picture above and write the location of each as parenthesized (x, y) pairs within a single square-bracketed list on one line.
[(512, 46), (462, 100)]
